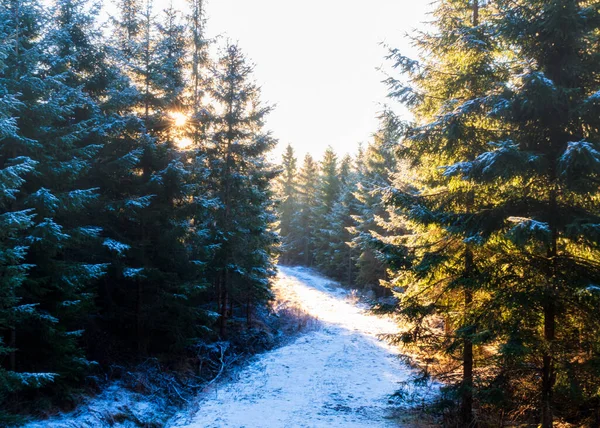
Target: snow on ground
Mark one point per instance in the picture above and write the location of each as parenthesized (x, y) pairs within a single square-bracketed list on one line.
[(115, 406), (340, 375)]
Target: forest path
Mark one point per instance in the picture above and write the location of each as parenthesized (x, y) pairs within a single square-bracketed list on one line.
[(339, 375)]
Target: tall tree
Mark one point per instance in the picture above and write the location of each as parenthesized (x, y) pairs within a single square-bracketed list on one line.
[(502, 224), (15, 226), (446, 271), (239, 179), (288, 195), (328, 192), (547, 206), (300, 247), (377, 165), (337, 258), (57, 128)]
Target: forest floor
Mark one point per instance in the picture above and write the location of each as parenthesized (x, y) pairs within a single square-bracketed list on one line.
[(330, 368), (338, 374)]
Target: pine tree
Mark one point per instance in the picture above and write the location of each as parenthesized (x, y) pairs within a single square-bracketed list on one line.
[(56, 127), (300, 242), (171, 68), (288, 195), (199, 65), (161, 216), (240, 179), (328, 191), (338, 259), (377, 165), (446, 275), (546, 208), (14, 226), (502, 222)]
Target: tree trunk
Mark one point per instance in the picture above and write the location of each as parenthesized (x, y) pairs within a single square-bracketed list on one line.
[(224, 300), (13, 345), (549, 318), (466, 407), (548, 367)]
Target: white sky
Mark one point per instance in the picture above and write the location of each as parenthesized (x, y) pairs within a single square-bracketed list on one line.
[(317, 61)]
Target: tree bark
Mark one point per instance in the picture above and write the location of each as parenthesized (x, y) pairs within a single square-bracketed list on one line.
[(13, 345), (548, 367), (549, 317), (466, 405)]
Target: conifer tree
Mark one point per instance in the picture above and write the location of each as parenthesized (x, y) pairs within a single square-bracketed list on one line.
[(14, 226), (288, 195), (328, 191), (199, 64), (545, 209), (171, 67), (300, 246), (338, 259), (56, 127), (505, 215), (377, 165), (446, 272), (120, 186), (240, 180), (162, 214)]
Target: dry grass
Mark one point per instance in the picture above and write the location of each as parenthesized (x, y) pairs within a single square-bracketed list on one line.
[(292, 318)]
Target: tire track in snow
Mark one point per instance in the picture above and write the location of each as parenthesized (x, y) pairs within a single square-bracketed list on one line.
[(338, 376)]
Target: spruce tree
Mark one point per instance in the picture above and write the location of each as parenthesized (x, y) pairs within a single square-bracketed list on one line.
[(338, 259), (161, 215), (300, 243), (15, 226), (57, 128), (239, 179), (328, 191), (199, 65), (377, 166), (503, 217), (445, 273), (546, 160), (287, 191)]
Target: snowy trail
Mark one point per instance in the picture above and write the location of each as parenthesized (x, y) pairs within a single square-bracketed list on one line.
[(338, 376)]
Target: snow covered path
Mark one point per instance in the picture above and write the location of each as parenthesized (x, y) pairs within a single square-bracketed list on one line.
[(340, 375)]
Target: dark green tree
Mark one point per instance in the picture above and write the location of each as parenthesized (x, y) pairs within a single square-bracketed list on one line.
[(375, 172), (239, 180), (57, 127), (444, 274), (338, 256), (287, 191), (300, 239)]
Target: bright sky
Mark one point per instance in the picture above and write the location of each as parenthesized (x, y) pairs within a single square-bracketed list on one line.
[(317, 61)]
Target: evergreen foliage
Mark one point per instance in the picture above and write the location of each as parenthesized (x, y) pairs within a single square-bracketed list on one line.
[(479, 214), (496, 254), (124, 194), (239, 180)]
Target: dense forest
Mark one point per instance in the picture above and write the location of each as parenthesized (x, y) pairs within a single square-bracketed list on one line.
[(142, 218), (135, 192), (477, 220)]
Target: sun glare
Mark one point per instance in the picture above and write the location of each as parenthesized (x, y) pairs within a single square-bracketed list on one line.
[(179, 119), (184, 143)]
